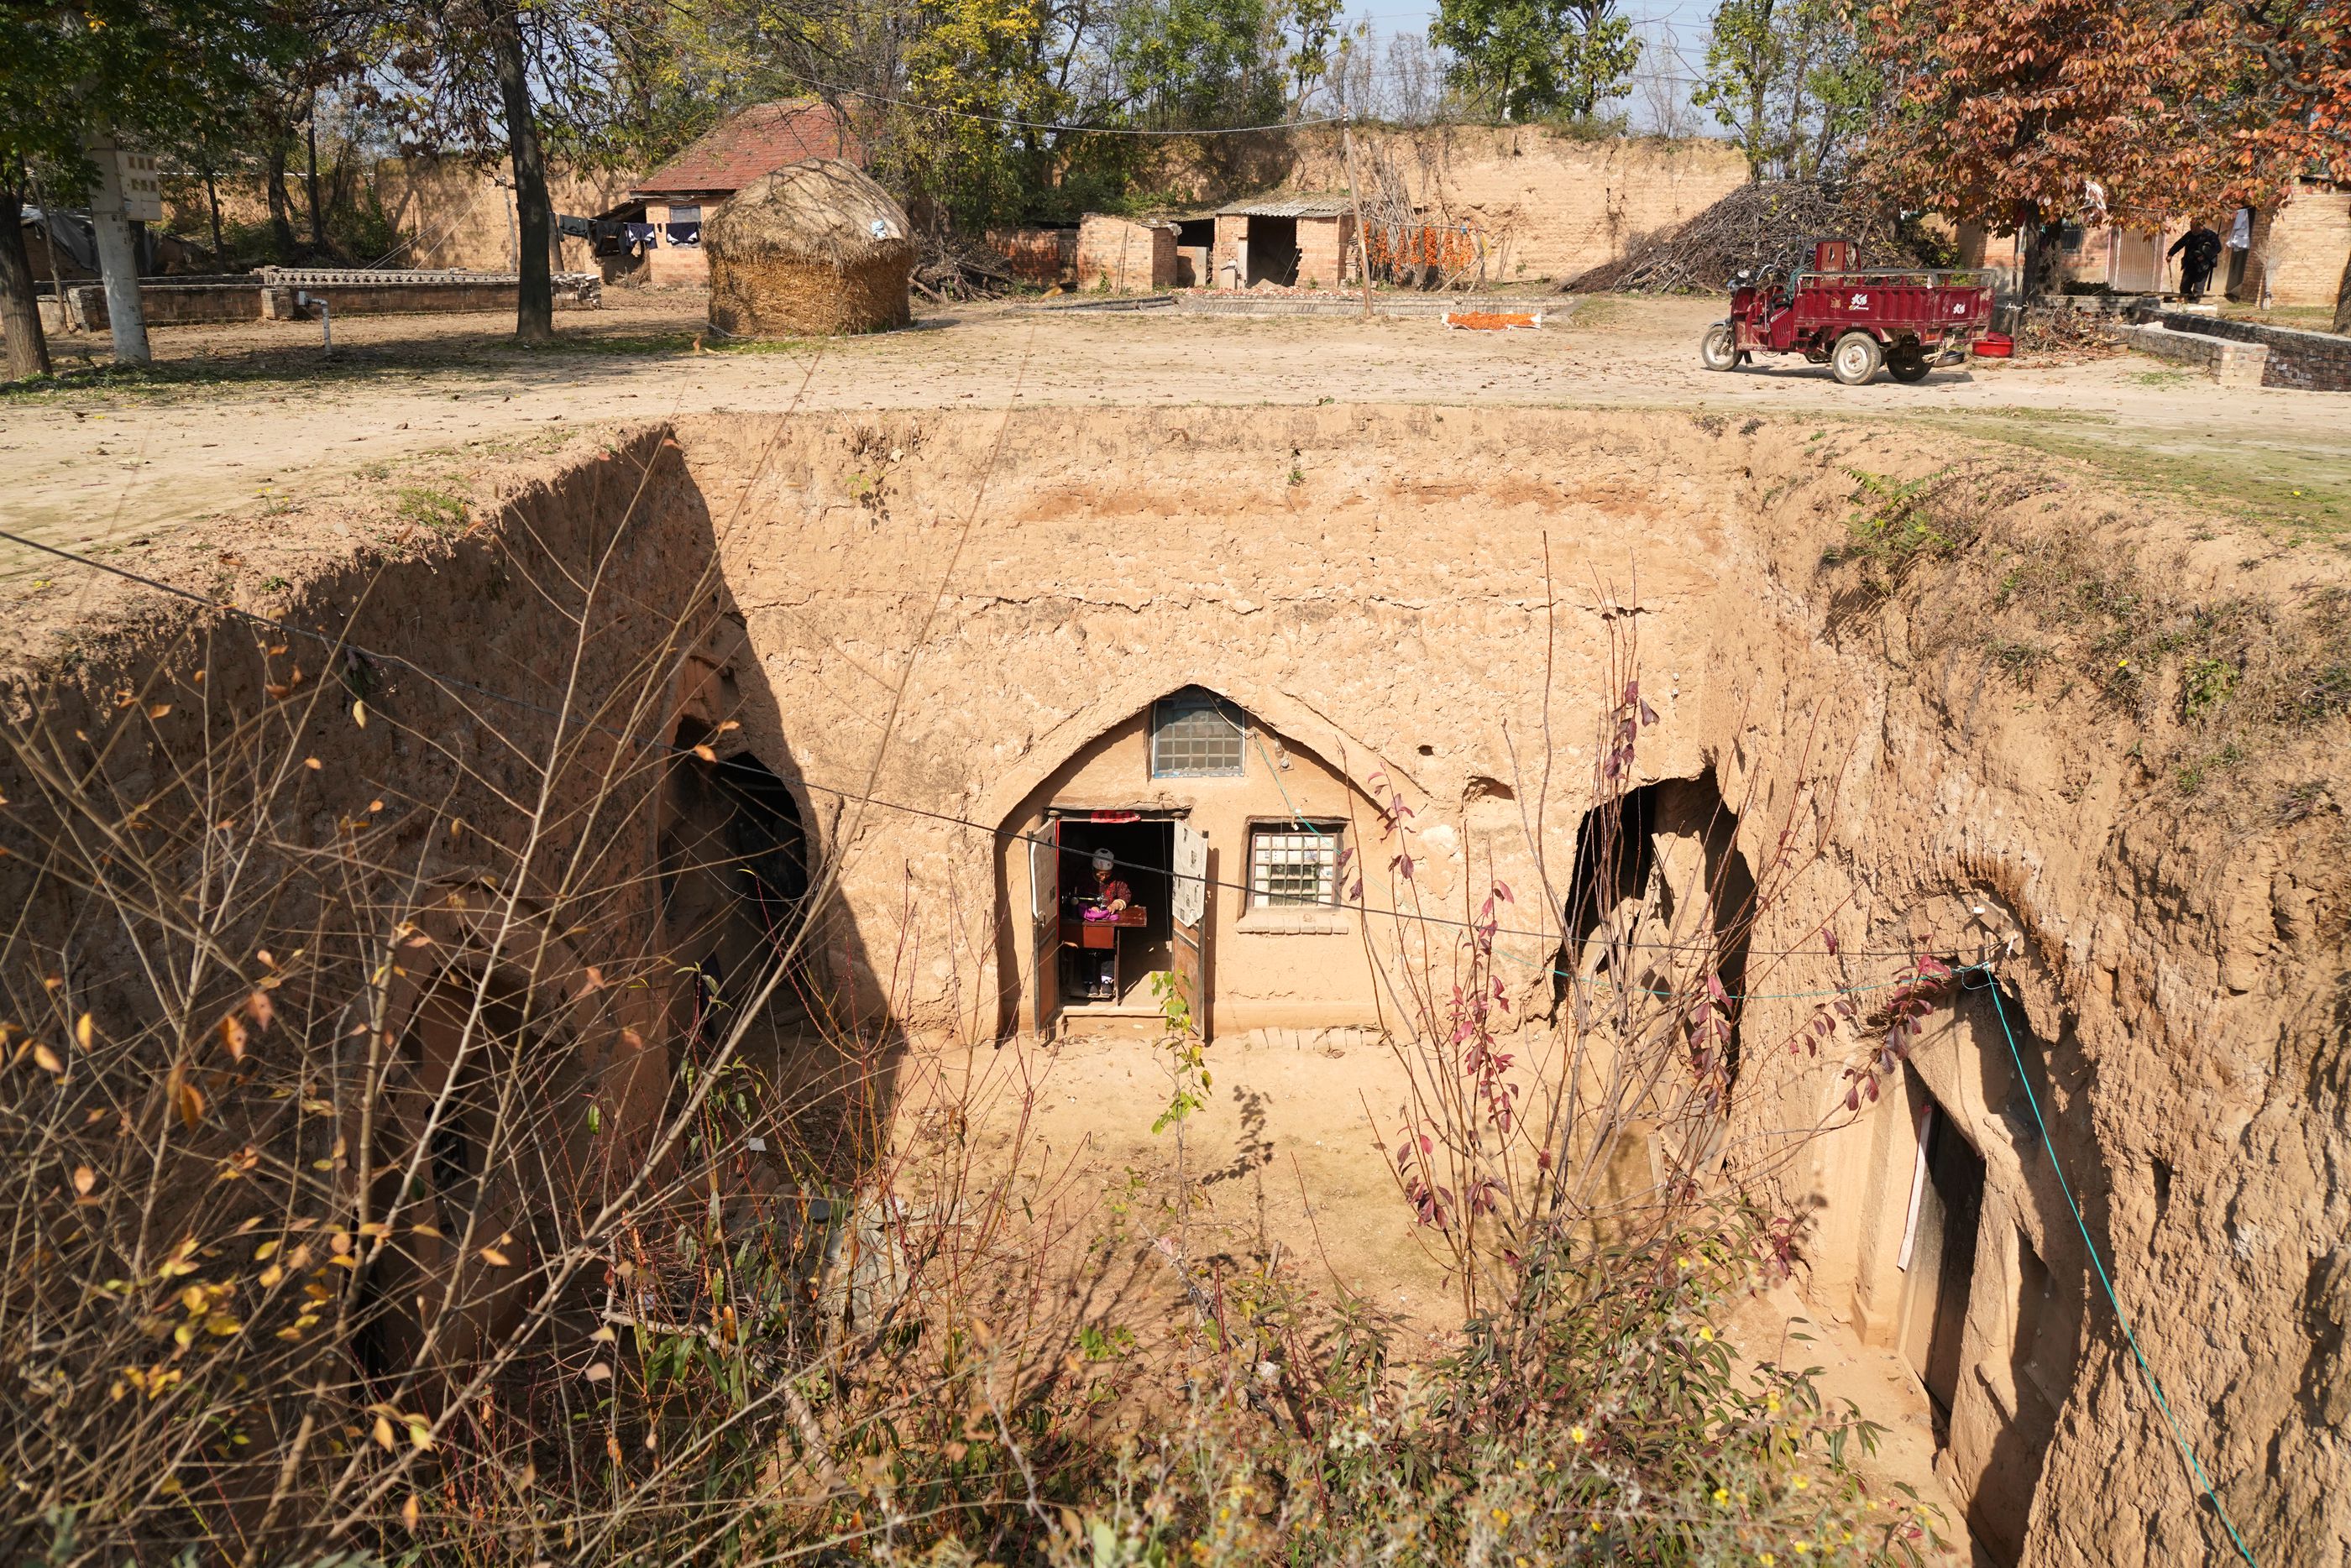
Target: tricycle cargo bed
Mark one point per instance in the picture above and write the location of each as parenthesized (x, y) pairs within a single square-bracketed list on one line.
[(1888, 305)]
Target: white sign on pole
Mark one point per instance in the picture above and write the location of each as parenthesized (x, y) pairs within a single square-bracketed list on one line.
[(142, 186)]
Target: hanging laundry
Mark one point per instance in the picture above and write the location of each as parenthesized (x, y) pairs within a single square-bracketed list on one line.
[(639, 236), (685, 233), (577, 228)]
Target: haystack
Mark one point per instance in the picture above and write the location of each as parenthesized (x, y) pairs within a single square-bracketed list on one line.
[(813, 248)]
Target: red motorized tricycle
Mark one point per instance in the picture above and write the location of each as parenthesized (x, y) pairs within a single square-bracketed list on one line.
[(1853, 319)]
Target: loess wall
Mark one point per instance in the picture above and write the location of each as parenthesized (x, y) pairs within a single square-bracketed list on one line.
[(929, 625)]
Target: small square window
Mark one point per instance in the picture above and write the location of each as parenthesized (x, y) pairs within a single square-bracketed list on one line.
[(1195, 734), (1294, 863)]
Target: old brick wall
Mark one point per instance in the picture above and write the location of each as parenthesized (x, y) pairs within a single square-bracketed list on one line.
[(2304, 246), (1035, 256), (1121, 255), (1325, 251)]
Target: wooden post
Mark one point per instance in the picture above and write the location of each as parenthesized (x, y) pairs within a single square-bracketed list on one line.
[(1355, 200)]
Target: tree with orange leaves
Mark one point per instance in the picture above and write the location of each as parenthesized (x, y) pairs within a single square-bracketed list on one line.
[(2293, 105), (2020, 115)]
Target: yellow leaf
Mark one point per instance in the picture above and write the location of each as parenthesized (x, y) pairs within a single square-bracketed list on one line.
[(262, 1010), (706, 753), (598, 1372), (85, 1032), (84, 1178), (231, 1036), (729, 724), (384, 1439), (419, 1434), (271, 1275), (190, 1101), (313, 763), (411, 1512), (47, 1060), (603, 1335), (359, 714), (159, 710), (495, 1258)]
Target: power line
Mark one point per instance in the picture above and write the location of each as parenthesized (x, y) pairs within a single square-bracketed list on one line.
[(1056, 125), (850, 796)]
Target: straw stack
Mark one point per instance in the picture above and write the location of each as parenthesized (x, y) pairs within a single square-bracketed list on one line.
[(815, 248)]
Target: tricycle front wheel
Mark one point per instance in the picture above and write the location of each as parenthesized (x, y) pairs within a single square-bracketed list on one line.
[(1718, 350), (1856, 359)]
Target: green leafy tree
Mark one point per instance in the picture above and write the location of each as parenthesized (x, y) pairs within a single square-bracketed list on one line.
[(1525, 59), (146, 71), (1788, 79)]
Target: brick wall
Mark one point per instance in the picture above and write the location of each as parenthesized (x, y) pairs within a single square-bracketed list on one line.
[(2312, 361), (2304, 246), (1325, 247), (1036, 256), (1230, 233), (1126, 258)]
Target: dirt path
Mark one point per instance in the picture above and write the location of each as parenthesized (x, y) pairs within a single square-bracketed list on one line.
[(240, 419)]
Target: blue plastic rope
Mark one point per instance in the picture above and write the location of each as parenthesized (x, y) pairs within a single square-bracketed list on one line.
[(2114, 1301)]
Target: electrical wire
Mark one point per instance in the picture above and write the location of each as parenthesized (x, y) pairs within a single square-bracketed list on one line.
[(1056, 125), (525, 705), (2194, 1467)]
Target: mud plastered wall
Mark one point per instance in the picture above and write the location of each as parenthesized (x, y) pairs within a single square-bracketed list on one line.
[(936, 613), (1372, 583)]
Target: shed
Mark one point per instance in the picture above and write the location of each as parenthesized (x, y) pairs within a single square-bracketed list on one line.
[(1286, 238), (739, 149)]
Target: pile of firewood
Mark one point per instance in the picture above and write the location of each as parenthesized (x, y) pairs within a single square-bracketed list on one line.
[(1764, 226), (949, 267)]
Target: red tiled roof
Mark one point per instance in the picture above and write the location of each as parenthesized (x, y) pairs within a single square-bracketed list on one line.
[(751, 143)]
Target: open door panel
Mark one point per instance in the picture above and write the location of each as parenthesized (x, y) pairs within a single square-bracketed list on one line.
[(1188, 911), (1045, 913)]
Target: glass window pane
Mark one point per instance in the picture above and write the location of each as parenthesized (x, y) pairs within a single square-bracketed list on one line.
[(1195, 735), (1294, 864)]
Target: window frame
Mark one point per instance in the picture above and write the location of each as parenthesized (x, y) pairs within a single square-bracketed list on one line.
[(1187, 704), (1311, 831)]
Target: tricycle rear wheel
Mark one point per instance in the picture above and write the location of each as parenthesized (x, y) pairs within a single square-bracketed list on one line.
[(1856, 359), (1908, 363), (1718, 350)]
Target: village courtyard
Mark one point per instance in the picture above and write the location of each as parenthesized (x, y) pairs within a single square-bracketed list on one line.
[(233, 424)]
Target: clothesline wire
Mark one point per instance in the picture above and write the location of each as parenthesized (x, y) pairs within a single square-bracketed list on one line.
[(1056, 125), (562, 718)]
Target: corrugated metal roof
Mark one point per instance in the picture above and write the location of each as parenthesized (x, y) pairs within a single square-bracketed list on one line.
[(1287, 206)]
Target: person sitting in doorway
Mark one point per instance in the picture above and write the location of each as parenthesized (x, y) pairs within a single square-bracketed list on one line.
[(1110, 898), (2199, 251)]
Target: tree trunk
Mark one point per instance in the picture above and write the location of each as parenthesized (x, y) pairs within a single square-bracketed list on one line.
[(211, 199), (281, 205), (2343, 299), (20, 318), (310, 180), (2043, 242), (535, 296)]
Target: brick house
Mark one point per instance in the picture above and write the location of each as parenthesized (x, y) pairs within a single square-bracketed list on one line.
[(1308, 240), (2300, 244), (741, 148)]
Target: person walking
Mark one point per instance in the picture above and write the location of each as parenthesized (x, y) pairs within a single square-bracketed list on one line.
[(2240, 245), (2199, 250)]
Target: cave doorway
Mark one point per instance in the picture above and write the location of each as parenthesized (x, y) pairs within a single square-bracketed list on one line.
[(1938, 1258), (734, 884)]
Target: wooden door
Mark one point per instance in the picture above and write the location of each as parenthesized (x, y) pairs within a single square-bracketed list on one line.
[(1187, 909), (1045, 917)]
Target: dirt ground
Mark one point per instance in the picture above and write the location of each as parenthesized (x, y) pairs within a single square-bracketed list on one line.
[(243, 420)]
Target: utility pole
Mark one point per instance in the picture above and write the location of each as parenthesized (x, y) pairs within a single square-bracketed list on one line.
[(1355, 200), (126, 190)]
